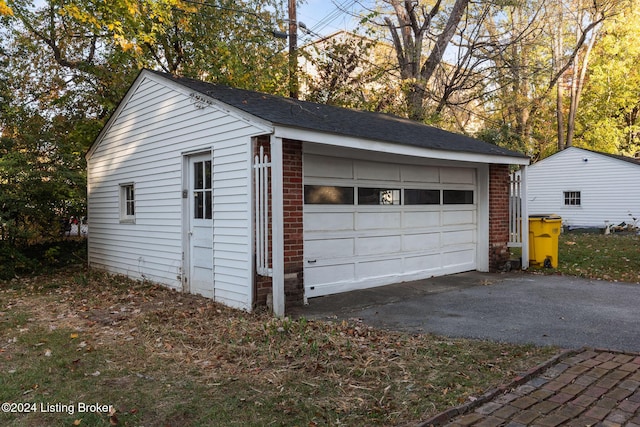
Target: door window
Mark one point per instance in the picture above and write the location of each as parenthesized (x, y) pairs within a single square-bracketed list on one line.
[(202, 192)]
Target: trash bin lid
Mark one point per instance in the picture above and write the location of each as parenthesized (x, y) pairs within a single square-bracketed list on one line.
[(545, 216)]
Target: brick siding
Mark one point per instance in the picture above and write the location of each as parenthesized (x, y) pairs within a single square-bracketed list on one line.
[(293, 225), (498, 216)]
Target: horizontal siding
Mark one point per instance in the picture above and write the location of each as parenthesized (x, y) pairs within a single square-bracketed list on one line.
[(609, 188), (231, 223), (144, 145)]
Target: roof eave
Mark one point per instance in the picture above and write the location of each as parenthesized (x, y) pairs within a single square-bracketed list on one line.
[(288, 132)]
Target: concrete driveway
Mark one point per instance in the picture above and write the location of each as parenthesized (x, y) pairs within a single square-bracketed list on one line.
[(568, 312)]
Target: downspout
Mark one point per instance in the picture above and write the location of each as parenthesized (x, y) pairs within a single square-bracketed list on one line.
[(277, 226)]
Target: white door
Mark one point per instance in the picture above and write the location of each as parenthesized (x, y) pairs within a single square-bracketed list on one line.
[(369, 224), (200, 230)]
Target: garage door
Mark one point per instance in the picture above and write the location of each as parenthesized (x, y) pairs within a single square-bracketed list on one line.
[(369, 224)]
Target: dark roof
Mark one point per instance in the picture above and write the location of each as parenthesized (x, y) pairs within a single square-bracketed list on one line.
[(341, 121), (627, 159)]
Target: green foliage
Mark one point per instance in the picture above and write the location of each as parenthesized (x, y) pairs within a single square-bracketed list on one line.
[(65, 66), (609, 117), (18, 261), (503, 136), (613, 257)]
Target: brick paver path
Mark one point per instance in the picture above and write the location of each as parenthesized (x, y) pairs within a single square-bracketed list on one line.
[(589, 388)]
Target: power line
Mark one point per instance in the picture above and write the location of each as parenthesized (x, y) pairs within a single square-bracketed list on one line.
[(340, 9)]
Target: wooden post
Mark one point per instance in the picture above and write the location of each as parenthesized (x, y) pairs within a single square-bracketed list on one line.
[(293, 50)]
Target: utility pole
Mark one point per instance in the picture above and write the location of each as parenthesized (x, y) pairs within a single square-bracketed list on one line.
[(293, 50)]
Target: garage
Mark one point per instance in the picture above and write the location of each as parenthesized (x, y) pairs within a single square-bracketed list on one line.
[(370, 223)]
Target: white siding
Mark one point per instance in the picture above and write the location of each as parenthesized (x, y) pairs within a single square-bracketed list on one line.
[(144, 144), (609, 188)]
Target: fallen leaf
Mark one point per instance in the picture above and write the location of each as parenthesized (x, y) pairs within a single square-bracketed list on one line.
[(47, 353), (77, 422), (73, 336)]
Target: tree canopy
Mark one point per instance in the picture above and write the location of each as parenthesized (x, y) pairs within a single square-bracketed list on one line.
[(532, 75)]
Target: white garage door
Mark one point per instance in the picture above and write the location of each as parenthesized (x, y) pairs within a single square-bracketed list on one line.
[(369, 224)]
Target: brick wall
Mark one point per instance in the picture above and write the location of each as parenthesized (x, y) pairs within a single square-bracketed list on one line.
[(293, 225), (498, 216), (293, 221)]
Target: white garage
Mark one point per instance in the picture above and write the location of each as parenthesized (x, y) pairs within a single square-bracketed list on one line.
[(246, 197), (369, 223)]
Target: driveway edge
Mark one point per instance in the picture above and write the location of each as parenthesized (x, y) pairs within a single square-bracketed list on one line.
[(451, 413)]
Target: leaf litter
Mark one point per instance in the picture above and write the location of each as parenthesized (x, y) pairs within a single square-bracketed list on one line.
[(298, 370)]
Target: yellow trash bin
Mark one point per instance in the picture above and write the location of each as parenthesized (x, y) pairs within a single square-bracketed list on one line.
[(544, 231)]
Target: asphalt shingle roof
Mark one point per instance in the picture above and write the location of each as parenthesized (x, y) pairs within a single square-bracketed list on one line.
[(341, 121)]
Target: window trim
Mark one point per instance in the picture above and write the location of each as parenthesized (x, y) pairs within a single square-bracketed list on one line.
[(126, 203), (431, 191), (394, 191), (308, 188), (447, 192), (572, 196)]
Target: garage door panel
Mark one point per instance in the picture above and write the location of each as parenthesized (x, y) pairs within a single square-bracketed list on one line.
[(421, 219), (378, 220), (328, 221), (379, 268), (423, 263), (373, 171), (421, 242), (457, 175), (459, 258), (453, 238), (378, 245), (458, 217), (412, 173), (335, 248), (329, 274), (320, 166)]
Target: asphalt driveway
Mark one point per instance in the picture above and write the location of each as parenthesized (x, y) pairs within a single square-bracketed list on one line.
[(568, 312)]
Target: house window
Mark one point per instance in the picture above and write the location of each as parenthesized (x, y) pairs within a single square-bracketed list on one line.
[(328, 195), (572, 198), (421, 197), (457, 197), (127, 203), (378, 196)]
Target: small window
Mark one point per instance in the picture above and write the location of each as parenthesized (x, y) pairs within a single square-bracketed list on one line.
[(328, 195), (202, 192), (421, 197), (572, 198), (127, 203), (378, 196), (457, 197)]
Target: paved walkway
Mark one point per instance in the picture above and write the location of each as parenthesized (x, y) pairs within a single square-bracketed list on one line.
[(579, 388)]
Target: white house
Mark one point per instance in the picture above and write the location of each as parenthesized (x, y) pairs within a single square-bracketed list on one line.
[(236, 195), (586, 188)]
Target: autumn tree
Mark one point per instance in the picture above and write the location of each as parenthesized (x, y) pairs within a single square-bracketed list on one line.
[(608, 119), (543, 44), (65, 65), (352, 71), (420, 33)]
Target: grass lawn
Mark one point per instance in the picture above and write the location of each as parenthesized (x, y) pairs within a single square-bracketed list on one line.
[(614, 257), (148, 356), (162, 358)]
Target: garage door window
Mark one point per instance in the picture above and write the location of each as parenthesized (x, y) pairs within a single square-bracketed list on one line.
[(421, 197), (457, 197), (328, 195), (378, 196)]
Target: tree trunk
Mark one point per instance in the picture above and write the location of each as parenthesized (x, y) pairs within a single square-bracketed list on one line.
[(576, 87), (408, 36)]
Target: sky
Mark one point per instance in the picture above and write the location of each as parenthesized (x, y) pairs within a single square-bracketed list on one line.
[(328, 16)]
